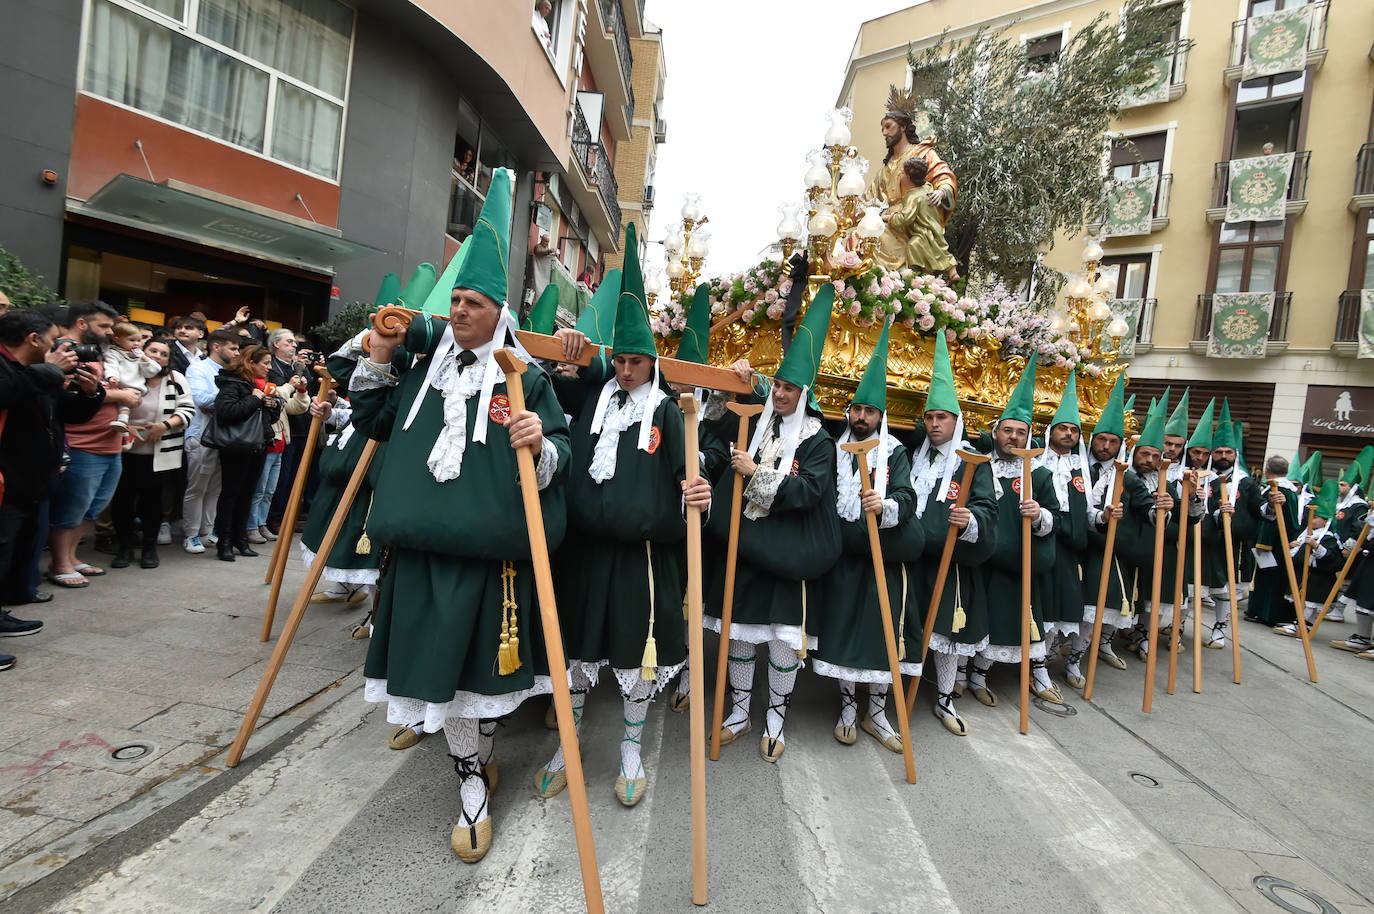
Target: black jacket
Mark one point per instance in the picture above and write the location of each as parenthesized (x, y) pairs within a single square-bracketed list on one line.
[(178, 359), (38, 405), (279, 374), (235, 403)]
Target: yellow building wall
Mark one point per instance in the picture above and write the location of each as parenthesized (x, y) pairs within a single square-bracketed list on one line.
[(632, 158)]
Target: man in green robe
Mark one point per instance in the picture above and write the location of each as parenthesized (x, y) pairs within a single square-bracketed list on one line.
[(1320, 546), (960, 630), (789, 535), (619, 581), (1243, 505), (1351, 511), (1360, 594), (1002, 572), (1060, 583), (458, 593), (852, 647), (1271, 600)]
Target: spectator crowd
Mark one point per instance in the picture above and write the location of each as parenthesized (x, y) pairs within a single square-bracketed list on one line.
[(122, 438)]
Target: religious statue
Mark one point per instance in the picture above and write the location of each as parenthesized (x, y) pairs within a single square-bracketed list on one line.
[(918, 223), (904, 142)]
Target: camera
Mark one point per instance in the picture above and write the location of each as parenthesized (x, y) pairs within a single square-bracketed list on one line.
[(84, 352)]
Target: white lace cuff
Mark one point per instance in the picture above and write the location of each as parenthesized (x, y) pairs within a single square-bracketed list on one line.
[(1044, 524), (371, 376), (763, 487), (889, 518), (970, 534), (546, 464)]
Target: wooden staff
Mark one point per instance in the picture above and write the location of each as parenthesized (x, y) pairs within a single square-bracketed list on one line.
[(1026, 455), (696, 707), (293, 621), (1231, 583), (971, 461), (1197, 607), (1340, 579), (1307, 557), (727, 603), (1161, 521), (553, 640), (281, 550), (1294, 590), (1187, 486), (1108, 563), (860, 449)]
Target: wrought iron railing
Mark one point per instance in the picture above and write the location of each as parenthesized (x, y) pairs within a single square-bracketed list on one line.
[(1364, 170), (1278, 321), (596, 166), (1145, 324), (1316, 35), (614, 17), (1348, 316), (1297, 180)]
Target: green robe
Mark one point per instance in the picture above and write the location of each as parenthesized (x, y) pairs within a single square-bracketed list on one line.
[(1061, 582), (440, 611), (852, 643), (337, 462), (783, 554), (1322, 570), (961, 620), (1136, 543), (619, 530), (1245, 522), (1271, 598), (1002, 572), (1136, 506)]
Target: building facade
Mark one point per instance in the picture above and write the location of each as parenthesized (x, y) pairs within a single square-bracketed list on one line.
[(637, 160), (183, 155), (1205, 115)]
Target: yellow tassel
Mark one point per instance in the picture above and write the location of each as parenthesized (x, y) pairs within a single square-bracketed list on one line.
[(960, 618), (364, 546), (1035, 630), (684, 607), (801, 651), (650, 662), (508, 654), (901, 625)]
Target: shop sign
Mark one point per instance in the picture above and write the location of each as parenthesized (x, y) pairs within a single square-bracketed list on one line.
[(1338, 410)]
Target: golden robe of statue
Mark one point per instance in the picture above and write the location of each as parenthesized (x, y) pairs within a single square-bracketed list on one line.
[(886, 188)]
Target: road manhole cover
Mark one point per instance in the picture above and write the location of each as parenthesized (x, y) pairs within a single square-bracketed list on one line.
[(130, 751), (1143, 779), (1050, 707), (1292, 897)]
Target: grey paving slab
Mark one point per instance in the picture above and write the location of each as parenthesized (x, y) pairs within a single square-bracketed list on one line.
[(192, 722)]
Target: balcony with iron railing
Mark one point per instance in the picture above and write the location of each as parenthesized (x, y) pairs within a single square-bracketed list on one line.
[(1177, 80), (1278, 323), (1145, 325), (596, 168), (1240, 38), (1159, 211), (1297, 187), (1346, 340), (1363, 196), (613, 15)]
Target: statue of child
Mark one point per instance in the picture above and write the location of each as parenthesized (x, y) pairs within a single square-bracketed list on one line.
[(917, 221)]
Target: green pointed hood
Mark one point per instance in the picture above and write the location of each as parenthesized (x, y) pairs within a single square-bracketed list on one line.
[(803, 357), (1067, 413), (1225, 435), (632, 333), (598, 318), (1353, 475), (942, 393), (1202, 435), (1295, 469), (486, 265), (388, 292), (418, 289), (1238, 431), (1312, 471), (1326, 502), (543, 317), (1178, 419), (1113, 418), (695, 344), (1130, 405), (1021, 405), (872, 390), (1152, 433), (1366, 461)]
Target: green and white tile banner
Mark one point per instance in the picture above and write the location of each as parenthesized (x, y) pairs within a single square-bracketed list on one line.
[(1276, 42), (1128, 309), (1154, 88), (1365, 333), (1240, 324), (1130, 205), (1257, 189)]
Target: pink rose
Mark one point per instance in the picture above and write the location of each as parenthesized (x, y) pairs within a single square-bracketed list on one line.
[(770, 296), (855, 309), (851, 259), (975, 332), (850, 294), (950, 336), (922, 308), (909, 322), (748, 316), (775, 310), (927, 322)]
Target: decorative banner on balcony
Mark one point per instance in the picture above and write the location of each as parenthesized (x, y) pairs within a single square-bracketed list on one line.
[(1276, 42), (1130, 206), (1240, 324), (1128, 309), (1257, 188), (1154, 88), (1365, 333)]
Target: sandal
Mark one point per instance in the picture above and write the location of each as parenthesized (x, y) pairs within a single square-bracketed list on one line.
[(71, 579), (89, 571)]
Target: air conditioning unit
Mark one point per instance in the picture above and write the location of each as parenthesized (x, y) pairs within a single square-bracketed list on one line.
[(660, 131)]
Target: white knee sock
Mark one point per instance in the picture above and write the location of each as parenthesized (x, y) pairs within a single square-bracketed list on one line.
[(486, 742), (1364, 622), (463, 737), (741, 675), (877, 708), (960, 667), (684, 683), (579, 686), (849, 704), (946, 669), (978, 674), (782, 676), (636, 709), (1040, 674)]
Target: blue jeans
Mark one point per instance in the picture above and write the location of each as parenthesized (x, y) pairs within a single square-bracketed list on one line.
[(85, 488), (262, 495)]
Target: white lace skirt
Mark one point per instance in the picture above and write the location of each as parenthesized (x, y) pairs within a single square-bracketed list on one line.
[(849, 674), (790, 635), (402, 710), (342, 575)]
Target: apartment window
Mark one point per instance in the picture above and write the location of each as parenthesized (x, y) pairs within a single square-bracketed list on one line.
[(1042, 53), (477, 153), (1365, 242), (1260, 7), (1248, 256), (1267, 128), (1134, 156), (1265, 87), (1131, 274), (219, 67)]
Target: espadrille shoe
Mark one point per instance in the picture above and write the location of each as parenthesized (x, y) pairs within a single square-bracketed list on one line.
[(679, 702), (846, 734), (549, 783), (629, 791), (892, 741), (471, 842), (728, 736), (771, 749), (404, 738)]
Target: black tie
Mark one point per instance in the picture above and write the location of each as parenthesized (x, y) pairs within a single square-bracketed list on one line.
[(777, 426), (465, 358), (620, 397)]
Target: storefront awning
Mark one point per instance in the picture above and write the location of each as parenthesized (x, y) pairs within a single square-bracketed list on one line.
[(205, 217)]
